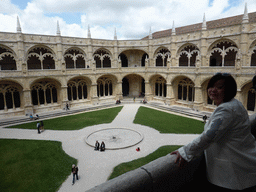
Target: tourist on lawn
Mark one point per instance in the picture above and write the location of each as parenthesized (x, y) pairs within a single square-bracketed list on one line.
[(102, 146), (75, 173), (97, 146), (227, 142), (38, 127)]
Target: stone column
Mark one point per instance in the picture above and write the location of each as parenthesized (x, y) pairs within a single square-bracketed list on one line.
[(28, 107), (119, 91), (148, 93), (198, 99), (60, 60), (94, 97), (170, 99), (64, 96)]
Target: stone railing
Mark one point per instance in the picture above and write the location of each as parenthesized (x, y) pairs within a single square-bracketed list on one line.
[(161, 175)]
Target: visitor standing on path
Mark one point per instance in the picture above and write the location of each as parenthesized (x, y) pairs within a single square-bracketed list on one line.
[(38, 127), (75, 173), (227, 142)]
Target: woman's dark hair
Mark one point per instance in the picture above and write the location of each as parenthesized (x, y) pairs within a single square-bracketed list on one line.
[(229, 83)]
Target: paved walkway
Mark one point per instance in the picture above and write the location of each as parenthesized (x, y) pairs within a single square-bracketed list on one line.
[(94, 166)]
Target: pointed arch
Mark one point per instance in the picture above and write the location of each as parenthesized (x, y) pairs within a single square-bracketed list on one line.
[(7, 59), (41, 57), (223, 53)]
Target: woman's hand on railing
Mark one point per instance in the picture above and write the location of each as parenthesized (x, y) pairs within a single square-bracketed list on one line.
[(182, 162)]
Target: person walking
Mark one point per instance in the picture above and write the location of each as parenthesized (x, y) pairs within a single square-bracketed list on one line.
[(75, 173), (227, 142)]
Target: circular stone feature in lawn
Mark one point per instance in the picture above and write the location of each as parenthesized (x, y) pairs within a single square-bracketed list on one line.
[(115, 138)]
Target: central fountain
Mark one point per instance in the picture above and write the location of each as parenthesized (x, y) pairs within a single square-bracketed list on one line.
[(115, 138)]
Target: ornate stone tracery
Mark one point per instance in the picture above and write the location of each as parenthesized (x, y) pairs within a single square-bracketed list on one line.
[(40, 58)]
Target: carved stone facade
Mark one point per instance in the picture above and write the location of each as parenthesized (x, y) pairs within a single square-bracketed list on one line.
[(40, 73)]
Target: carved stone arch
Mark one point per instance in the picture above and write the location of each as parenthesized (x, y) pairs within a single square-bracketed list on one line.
[(157, 50), (10, 95), (41, 57), (213, 44), (46, 80), (106, 85), (45, 91), (78, 49), (41, 46), (223, 52), (8, 58), (102, 49), (252, 53), (161, 56), (133, 58), (184, 46), (158, 85), (75, 58)]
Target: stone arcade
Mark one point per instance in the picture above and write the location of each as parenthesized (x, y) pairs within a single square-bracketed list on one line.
[(40, 73)]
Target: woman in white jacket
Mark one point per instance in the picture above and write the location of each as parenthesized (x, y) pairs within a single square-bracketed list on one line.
[(227, 142)]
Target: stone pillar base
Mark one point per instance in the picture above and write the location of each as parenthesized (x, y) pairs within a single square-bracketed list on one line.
[(28, 110)]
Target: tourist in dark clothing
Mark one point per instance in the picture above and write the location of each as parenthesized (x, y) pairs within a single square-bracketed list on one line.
[(38, 127), (102, 146), (97, 146), (75, 173)]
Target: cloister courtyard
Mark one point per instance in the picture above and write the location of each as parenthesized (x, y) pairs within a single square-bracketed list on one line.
[(94, 167)]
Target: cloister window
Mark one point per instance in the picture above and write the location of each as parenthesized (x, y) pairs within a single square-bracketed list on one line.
[(186, 90), (43, 93), (161, 57), (104, 86), (223, 54), (188, 56), (160, 87), (143, 60), (77, 89), (9, 96), (7, 60), (102, 59), (124, 60), (253, 57), (41, 58), (74, 59)]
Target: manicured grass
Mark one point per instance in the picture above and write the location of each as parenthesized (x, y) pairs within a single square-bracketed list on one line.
[(30, 165), (168, 123), (129, 166), (75, 122)]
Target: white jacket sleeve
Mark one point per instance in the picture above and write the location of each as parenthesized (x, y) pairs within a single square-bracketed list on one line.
[(220, 124)]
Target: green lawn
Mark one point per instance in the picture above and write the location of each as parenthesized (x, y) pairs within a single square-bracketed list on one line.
[(129, 166), (75, 122), (31, 165), (168, 123)]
